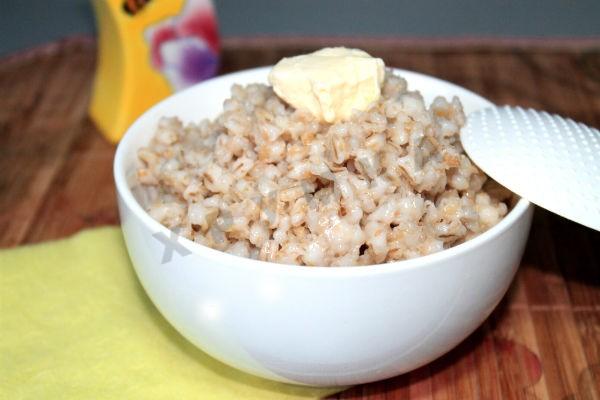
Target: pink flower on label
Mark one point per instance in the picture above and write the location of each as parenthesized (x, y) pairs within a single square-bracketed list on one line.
[(186, 61), (185, 48)]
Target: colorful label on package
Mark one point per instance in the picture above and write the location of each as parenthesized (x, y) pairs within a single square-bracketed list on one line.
[(147, 49)]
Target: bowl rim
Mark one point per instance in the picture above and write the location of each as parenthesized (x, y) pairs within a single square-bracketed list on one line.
[(124, 191)]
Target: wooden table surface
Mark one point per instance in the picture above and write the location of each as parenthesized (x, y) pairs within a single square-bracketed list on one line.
[(542, 342)]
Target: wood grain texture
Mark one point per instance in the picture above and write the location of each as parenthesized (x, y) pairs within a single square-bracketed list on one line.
[(542, 342)]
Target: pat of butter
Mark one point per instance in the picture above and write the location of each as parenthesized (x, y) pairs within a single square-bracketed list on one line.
[(330, 83)]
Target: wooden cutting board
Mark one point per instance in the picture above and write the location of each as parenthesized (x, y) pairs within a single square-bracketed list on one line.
[(542, 342)]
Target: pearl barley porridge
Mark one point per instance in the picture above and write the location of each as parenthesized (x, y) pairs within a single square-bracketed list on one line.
[(271, 182)]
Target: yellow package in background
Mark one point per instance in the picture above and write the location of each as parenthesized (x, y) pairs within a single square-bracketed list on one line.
[(146, 51)]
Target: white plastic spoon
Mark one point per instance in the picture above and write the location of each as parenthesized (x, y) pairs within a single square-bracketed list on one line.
[(552, 161)]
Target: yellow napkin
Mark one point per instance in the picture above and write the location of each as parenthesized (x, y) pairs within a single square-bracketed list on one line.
[(76, 324)]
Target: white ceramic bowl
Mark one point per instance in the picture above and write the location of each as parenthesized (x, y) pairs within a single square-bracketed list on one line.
[(314, 325)]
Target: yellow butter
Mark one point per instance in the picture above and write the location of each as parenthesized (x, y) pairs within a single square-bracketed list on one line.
[(330, 83)]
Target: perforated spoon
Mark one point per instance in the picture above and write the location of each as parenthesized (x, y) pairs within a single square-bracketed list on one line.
[(552, 161)]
